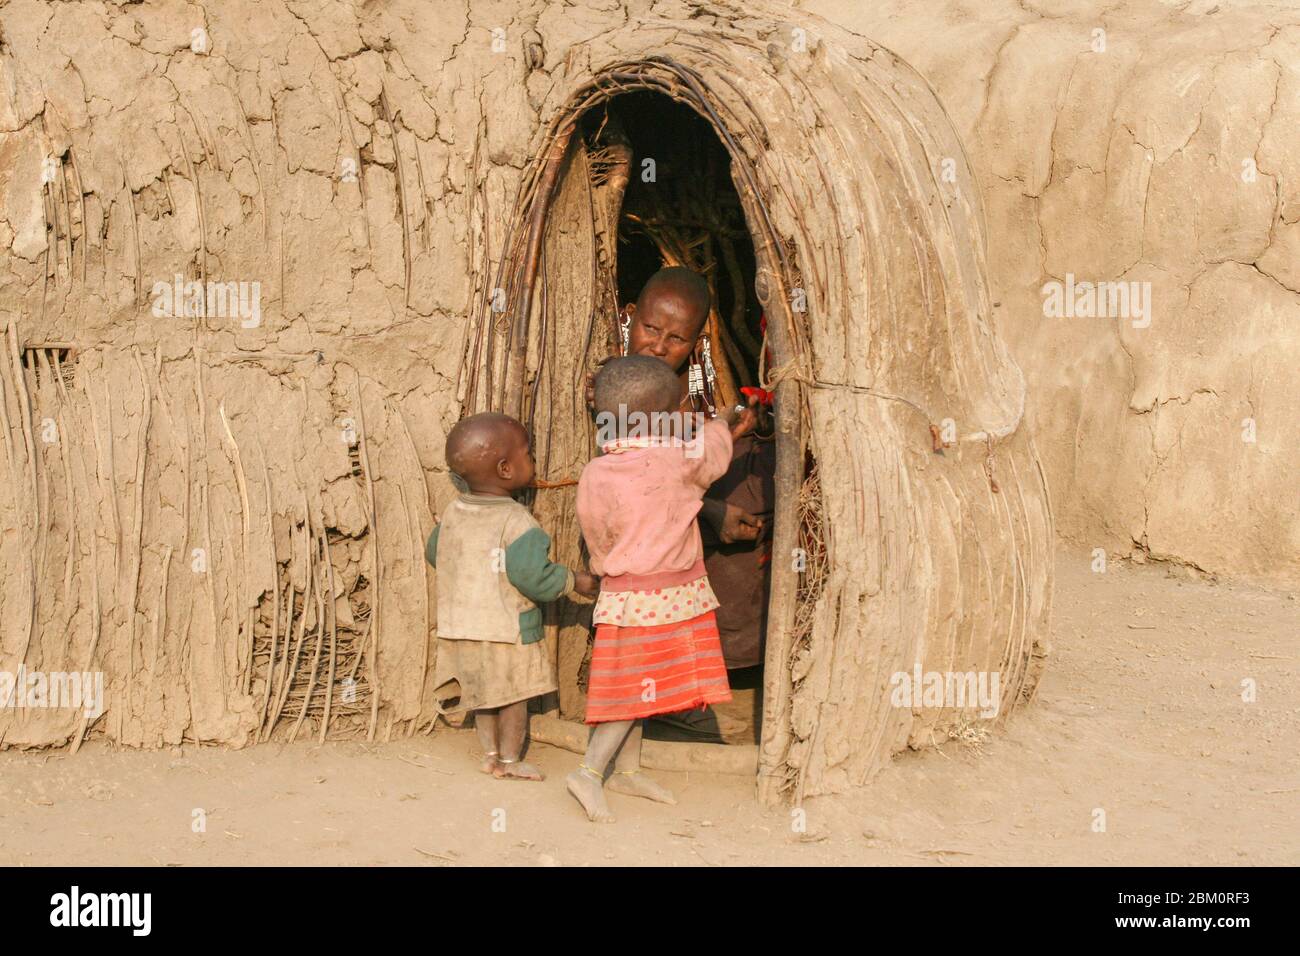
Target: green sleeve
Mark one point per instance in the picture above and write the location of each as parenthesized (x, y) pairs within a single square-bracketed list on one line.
[(431, 547), (531, 571)]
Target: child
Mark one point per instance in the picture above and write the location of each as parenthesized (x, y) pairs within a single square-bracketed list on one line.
[(657, 649), (493, 569)]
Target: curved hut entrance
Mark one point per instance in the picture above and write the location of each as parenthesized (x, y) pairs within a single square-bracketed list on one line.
[(636, 176), (680, 208), (929, 555)]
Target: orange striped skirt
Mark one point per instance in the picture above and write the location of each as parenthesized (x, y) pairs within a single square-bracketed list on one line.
[(642, 671)]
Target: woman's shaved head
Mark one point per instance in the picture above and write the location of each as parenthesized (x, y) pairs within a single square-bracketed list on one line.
[(670, 313), (687, 290)]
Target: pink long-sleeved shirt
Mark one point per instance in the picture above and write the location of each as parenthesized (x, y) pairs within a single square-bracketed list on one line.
[(637, 509)]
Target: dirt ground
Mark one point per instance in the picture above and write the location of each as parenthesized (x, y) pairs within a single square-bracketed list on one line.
[(1140, 714)]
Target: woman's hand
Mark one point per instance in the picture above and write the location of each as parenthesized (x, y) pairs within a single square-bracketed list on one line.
[(729, 523), (586, 584), (739, 525), (742, 419)]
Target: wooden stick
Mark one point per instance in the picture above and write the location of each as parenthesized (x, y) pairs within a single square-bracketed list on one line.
[(284, 294), (246, 519), (320, 640), (8, 433), (67, 490), (43, 509), (373, 519), (141, 457), (81, 201), (787, 406), (401, 193), (275, 595), (205, 496), (291, 661), (67, 216), (29, 542), (65, 453), (80, 734), (24, 402), (334, 637), (135, 235), (51, 241), (203, 232), (167, 183), (252, 153), (517, 345), (264, 729), (424, 196), (94, 566), (160, 618), (232, 590), (363, 642), (476, 300), (184, 447)]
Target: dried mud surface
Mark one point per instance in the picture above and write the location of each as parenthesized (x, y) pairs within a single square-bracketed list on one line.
[(1147, 724), (1172, 158)]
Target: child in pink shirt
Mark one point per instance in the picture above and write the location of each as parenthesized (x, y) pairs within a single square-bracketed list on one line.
[(657, 648)]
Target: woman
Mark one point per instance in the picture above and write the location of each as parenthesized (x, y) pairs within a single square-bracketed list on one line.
[(735, 519)]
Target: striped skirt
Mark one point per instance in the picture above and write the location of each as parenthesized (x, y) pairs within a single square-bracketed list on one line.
[(642, 671)]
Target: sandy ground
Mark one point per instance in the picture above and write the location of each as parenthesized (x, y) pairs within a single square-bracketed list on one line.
[(1140, 715)]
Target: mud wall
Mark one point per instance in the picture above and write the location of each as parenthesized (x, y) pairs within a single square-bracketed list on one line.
[(1164, 149), (221, 507), (220, 501)]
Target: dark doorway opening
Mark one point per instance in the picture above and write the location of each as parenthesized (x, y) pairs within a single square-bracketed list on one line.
[(680, 207)]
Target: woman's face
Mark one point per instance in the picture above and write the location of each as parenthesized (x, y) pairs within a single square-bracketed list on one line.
[(665, 327)]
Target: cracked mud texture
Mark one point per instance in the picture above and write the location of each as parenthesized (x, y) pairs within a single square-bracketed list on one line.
[(1128, 165)]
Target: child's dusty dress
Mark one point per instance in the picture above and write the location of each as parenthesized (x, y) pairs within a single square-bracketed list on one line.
[(493, 570), (657, 649)]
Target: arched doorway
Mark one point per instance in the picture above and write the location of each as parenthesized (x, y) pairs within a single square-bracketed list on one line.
[(926, 547)]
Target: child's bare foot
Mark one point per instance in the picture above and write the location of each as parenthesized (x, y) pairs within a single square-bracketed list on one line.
[(586, 787), (516, 770), (489, 764), (636, 784)]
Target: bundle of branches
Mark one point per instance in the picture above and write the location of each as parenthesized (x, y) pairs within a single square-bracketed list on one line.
[(315, 671)]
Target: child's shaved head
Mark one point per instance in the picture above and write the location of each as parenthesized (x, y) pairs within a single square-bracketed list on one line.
[(480, 445), (637, 383)]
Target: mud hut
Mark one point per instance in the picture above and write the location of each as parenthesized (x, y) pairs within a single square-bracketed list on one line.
[(907, 547), (228, 521)]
